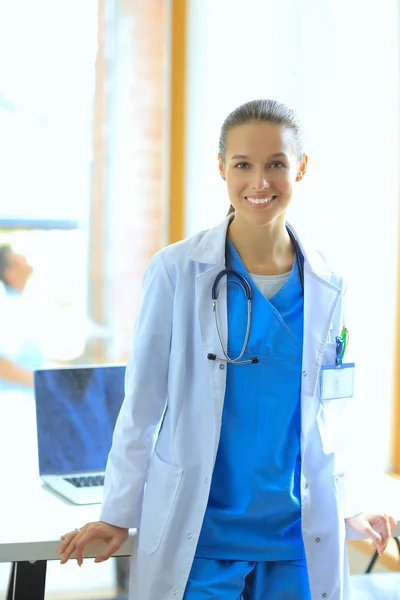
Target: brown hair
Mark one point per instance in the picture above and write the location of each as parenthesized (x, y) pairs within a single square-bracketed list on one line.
[(5, 251)]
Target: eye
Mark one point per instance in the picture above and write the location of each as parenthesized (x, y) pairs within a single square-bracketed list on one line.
[(241, 165), (278, 165)]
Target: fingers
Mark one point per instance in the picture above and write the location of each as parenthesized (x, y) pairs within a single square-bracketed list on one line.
[(392, 523), (112, 547), (382, 524), (374, 536), (82, 542), (386, 531), (68, 546), (75, 542), (68, 539)]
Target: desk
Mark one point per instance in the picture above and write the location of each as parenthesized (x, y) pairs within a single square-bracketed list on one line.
[(31, 522), (32, 518)]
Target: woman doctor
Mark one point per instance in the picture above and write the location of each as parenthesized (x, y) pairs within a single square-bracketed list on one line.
[(227, 454)]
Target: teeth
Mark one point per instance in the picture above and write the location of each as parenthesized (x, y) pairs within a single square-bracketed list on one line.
[(260, 200)]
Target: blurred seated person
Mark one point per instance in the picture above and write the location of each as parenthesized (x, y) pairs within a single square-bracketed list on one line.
[(19, 350)]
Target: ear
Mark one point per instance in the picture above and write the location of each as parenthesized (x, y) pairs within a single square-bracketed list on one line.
[(221, 167), (302, 168)]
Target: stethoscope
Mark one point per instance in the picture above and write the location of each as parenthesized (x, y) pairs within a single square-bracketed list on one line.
[(246, 287)]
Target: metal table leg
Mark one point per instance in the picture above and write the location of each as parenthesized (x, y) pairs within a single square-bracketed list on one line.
[(376, 556), (372, 562), (27, 581), (122, 568)]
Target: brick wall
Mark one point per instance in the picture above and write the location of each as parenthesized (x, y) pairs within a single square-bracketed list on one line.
[(128, 201)]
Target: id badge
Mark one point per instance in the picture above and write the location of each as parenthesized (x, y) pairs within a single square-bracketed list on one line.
[(337, 381)]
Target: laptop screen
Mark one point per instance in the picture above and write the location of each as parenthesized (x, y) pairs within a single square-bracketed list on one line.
[(76, 410)]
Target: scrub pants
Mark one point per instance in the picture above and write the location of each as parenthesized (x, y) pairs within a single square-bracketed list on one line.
[(212, 579)]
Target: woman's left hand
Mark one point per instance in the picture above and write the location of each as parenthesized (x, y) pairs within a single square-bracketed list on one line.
[(376, 527)]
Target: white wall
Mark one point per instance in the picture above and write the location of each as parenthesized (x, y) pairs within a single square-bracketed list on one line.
[(337, 64)]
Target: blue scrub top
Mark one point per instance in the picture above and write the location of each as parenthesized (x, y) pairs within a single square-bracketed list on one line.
[(254, 509)]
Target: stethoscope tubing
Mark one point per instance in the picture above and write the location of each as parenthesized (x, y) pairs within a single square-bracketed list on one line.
[(245, 285)]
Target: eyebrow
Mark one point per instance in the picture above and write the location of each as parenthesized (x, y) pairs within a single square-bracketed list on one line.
[(243, 156)]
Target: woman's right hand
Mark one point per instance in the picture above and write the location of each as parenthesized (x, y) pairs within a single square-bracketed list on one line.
[(75, 542)]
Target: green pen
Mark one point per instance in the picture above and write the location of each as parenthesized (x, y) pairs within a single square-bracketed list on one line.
[(344, 336)]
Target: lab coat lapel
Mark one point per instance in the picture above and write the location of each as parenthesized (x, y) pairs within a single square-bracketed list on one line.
[(209, 338), (210, 253), (209, 335), (320, 301)]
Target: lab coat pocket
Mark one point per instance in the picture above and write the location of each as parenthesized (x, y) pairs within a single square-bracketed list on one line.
[(160, 493), (328, 358)]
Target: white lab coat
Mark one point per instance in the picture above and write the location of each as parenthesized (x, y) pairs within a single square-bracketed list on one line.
[(169, 376)]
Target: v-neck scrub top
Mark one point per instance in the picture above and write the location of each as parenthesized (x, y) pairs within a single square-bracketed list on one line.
[(254, 510)]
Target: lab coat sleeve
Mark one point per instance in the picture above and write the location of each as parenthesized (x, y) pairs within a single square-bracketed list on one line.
[(144, 402)]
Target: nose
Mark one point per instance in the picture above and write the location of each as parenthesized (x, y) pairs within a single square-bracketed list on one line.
[(260, 181)]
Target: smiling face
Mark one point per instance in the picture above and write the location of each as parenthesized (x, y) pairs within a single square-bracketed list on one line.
[(260, 168)]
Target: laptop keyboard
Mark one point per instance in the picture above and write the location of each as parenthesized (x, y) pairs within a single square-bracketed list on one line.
[(86, 481)]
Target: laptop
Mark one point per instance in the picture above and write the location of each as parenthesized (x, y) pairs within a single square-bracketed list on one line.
[(76, 411)]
